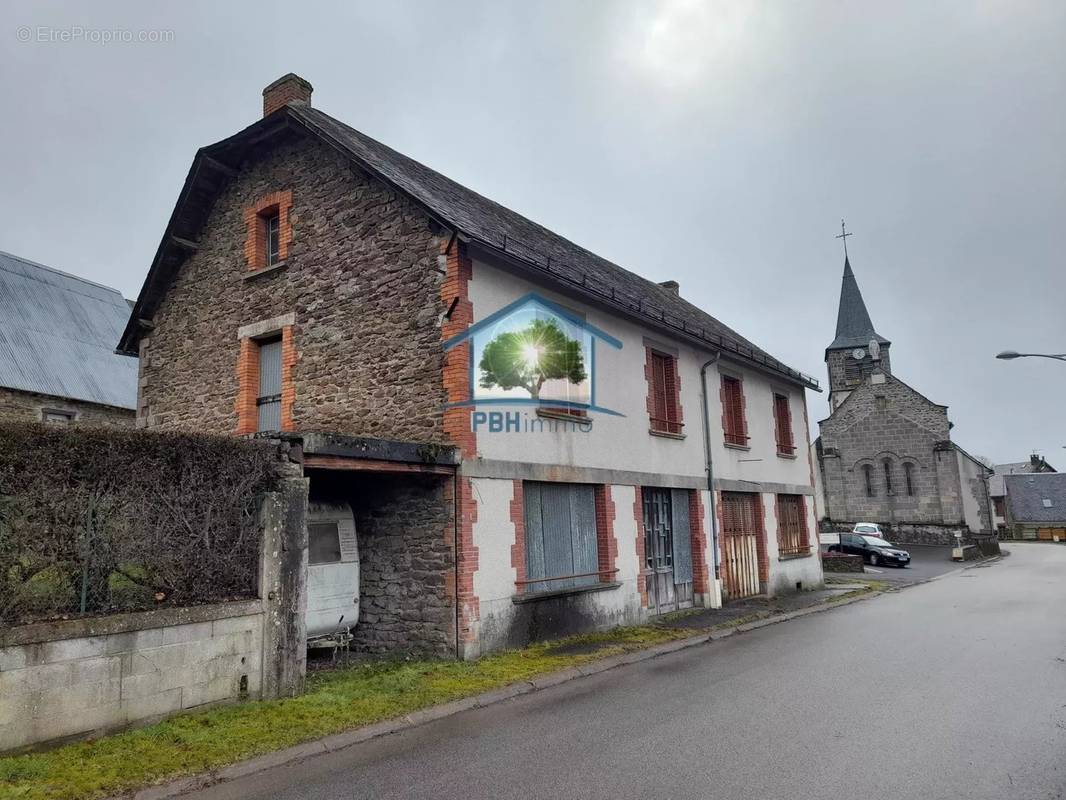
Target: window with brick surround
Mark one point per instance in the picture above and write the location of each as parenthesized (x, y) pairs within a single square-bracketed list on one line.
[(888, 478), (868, 479), (269, 233), (733, 422), (908, 478), (265, 387), (664, 401), (783, 425), (562, 544), (792, 536)]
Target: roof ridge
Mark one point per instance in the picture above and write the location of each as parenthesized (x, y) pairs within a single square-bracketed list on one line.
[(71, 275)]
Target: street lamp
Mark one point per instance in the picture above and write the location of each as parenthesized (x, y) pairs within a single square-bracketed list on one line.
[(1009, 354)]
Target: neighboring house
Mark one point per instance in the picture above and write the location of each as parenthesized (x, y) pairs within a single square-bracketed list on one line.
[(1036, 505), (997, 489), (517, 423), (57, 348), (885, 452)]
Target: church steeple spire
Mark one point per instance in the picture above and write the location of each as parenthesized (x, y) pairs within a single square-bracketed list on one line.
[(854, 327)]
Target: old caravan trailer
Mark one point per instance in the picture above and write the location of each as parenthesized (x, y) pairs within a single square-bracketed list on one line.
[(332, 574)]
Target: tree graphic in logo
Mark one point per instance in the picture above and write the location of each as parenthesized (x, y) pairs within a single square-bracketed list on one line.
[(527, 358)]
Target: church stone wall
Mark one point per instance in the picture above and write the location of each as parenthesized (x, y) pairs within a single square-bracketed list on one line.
[(890, 422)]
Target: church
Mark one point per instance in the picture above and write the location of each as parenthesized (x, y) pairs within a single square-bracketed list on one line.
[(885, 453)]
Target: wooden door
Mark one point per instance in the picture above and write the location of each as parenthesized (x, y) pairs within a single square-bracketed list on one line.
[(667, 549), (740, 545)]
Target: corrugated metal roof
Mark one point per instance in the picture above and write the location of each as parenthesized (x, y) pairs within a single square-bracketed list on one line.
[(58, 334)]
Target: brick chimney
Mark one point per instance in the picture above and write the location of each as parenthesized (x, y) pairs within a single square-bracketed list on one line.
[(673, 286), (286, 88)]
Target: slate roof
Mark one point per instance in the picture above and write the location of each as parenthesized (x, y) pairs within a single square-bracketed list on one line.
[(995, 483), (1026, 495), (854, 327), (490, 224), (58, 335)]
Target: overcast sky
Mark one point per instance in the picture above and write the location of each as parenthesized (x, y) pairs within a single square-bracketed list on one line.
[(714, 143)]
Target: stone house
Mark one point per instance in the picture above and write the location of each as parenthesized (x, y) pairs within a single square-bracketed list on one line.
[(638, 458), (57, 348), (997, 488), (885, 453)]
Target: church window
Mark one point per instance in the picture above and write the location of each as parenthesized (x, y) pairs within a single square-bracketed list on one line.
[(868, 476), (908, 477), (888, 477)]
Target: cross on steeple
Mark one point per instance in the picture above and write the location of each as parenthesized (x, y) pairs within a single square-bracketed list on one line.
[(844, 235)]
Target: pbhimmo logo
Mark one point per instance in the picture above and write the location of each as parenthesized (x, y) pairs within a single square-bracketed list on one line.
[(532, 353)]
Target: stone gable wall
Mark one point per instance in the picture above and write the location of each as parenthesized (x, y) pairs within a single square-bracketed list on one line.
[(903, 428), (361, 277)]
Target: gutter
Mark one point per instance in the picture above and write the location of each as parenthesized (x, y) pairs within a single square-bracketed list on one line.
[(710, 463)]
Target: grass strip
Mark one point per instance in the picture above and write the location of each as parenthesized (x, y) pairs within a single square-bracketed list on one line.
[(335, 701)]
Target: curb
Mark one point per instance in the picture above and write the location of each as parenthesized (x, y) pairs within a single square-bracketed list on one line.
[(340, 741)]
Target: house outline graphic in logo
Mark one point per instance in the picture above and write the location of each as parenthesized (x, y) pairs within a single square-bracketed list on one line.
[(533, 306)]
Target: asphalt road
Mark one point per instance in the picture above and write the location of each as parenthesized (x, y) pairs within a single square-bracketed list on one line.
[(926, 562), (951, 689)]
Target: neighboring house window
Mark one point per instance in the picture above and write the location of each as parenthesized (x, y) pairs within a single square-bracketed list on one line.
[(868, 477), (561, 542), (52, 416), (908, 478), (792, 525), (888, 476), (783, 425), (665, 402), (733, 423), (998, 503), (268, 400)]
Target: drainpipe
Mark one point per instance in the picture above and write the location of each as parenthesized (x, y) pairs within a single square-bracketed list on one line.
[(710, 463)]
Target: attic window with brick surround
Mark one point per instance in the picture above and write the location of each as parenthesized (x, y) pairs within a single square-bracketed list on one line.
[(783, 425), (269, 232), (664, 393), (734, 425)]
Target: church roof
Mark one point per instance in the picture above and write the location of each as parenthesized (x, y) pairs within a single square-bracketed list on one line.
[(854, 328)]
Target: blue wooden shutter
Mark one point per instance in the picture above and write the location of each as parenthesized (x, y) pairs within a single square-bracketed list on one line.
[(269, 400), (679, 521)]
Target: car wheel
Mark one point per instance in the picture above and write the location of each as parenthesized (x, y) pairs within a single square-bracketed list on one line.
[(874, 560)]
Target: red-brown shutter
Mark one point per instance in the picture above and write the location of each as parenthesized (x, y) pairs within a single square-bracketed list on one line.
[(733, 406), (783, 420)]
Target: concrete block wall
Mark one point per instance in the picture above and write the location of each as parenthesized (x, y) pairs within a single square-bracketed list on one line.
[(80, 677)]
